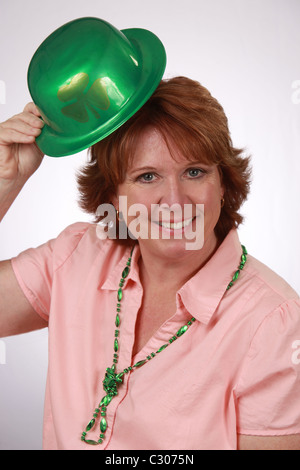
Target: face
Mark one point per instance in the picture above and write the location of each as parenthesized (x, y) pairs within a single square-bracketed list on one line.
[(162, 198)]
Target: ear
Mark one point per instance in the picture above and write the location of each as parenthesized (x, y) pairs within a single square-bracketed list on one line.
[(221, 182)]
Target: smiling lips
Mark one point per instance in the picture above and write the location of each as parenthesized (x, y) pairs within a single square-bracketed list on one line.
[(175, 225)]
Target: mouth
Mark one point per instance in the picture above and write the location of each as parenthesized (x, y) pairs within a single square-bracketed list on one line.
[(176, 225)]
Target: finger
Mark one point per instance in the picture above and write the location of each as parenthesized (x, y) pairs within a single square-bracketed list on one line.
[(32, 108), (31, 119), (31, 111), (22, 124), (24, 119), (12, 136)]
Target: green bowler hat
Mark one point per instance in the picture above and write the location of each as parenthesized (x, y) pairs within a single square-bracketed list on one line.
[(87, 78)]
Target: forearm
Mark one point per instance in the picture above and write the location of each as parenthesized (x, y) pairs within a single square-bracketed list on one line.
[(8, 193)]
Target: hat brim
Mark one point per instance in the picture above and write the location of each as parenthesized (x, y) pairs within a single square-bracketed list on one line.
[(153, 66)]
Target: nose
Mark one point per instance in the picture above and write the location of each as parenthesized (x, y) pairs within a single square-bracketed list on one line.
[(173, 192)]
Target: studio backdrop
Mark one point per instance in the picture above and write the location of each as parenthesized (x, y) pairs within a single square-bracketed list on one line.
[(246, 52)]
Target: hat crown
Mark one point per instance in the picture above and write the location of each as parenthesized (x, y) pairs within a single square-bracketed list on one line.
[(83, 73), (88, 78)]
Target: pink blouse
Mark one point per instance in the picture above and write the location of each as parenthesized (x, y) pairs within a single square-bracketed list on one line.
[(236, 369)]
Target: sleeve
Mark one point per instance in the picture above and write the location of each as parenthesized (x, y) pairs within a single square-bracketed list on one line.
[(268, 393), (35, 267)]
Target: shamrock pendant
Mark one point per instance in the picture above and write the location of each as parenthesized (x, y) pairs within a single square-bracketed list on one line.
[(112, 381)]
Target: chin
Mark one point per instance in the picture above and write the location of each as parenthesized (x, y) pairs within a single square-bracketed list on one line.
[(168, 249)]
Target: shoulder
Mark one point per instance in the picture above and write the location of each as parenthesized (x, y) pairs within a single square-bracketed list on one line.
[(274, 308), (75, 250), (68, 242), (268, 282), (80, 243), (265, 301)]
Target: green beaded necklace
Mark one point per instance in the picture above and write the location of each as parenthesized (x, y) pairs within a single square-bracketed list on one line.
[(112, 380)]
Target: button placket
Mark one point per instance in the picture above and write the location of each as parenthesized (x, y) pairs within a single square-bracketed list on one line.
[(127, 322)]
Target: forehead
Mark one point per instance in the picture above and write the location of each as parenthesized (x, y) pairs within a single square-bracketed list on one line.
[(154, 147), (150, 143)]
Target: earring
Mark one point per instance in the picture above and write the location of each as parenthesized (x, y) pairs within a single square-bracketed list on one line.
[(222, 202)]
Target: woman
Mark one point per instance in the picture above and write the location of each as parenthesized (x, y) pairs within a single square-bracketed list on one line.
[(166, 347)]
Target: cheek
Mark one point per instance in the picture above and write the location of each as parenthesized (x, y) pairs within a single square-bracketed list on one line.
[(210, 195), (211, 198), (133, 202)]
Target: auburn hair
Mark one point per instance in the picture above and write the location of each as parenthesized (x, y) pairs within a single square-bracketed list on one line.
[(190, 120)]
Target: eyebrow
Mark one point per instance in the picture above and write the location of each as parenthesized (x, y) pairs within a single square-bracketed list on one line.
[(142, 168), (151, 168)]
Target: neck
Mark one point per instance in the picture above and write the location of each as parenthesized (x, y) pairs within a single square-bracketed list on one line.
[(171, 273)]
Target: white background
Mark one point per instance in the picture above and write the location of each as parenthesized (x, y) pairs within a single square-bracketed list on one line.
[(246, 52)]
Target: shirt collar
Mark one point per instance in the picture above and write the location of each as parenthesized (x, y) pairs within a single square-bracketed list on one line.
[(113, 279), (203, 292)]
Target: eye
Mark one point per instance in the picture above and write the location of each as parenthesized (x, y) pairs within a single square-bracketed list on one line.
[(195, 172), (146, 177)]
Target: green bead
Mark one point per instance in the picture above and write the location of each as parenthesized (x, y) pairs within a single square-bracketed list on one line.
[(171, 340), (91, 442), (236, 275), (90, 425), (117, 322), (162, 348), (140, 363), (105, 401), (244, 250), (103, 425), (116, 345), (125, 272), (120, 294), (182, 330)]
